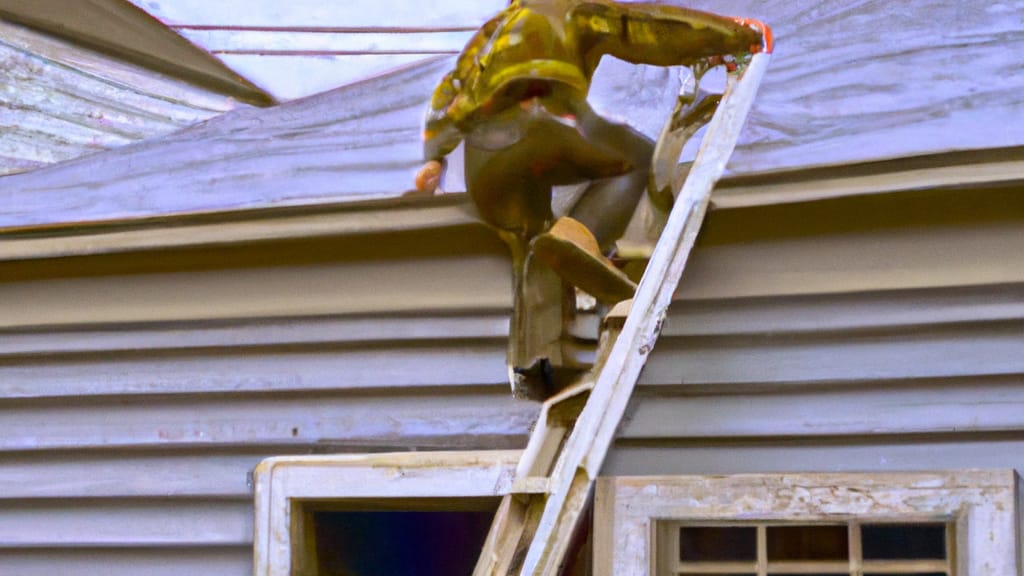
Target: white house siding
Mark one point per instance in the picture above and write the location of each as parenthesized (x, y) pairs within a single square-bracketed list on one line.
[(139, 387), (138, 391), (877, 333)]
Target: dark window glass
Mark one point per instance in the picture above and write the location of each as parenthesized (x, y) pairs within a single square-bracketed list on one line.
[(717, 543), (903, 541), (914, 574), (808, 543), (399, 543)]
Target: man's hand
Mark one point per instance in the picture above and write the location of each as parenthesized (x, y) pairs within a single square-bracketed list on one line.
[(428, 178)]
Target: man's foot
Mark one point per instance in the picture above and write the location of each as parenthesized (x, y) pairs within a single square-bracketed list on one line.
[(542, 380), (572, 252)]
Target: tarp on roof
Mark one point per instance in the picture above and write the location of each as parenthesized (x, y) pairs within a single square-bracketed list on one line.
[(851, 81)]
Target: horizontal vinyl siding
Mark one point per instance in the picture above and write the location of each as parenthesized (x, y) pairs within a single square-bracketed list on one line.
[(435, 418), (451, 272), (138, 390), (134, 415), (947, 256), (65, 523), (880, 347), (118, 474), (119, 561), (918, 397)]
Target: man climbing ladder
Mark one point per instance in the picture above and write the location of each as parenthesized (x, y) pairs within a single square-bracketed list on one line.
[(517, 97)]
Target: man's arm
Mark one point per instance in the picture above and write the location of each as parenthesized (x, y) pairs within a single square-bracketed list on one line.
[(661, 34), (440, 136)]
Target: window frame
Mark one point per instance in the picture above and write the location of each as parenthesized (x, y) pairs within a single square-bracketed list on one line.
[(284, 487), (982, 504)]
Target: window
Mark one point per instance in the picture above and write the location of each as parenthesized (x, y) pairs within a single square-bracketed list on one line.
[(944, 523), (360, 514)]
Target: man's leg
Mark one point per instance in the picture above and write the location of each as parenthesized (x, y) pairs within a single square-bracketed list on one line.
[(513, 159), (575, 247), (607, 205)]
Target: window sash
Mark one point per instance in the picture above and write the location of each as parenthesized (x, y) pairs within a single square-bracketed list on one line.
[(666, 552)]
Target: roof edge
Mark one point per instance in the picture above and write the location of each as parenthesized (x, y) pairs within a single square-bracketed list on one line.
[(392, 215), (981, 167), (995, 168)]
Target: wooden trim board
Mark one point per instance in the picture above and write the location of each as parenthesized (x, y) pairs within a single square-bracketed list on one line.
[(282, 484)]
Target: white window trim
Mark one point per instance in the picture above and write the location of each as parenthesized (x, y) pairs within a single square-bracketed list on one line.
[(982, 503), (282, 484)]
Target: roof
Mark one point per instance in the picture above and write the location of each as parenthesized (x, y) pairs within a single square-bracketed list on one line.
[(836, 95), (61, 101)]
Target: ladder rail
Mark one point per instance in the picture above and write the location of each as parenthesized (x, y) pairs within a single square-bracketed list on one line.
[(591, 438), (535, 523)]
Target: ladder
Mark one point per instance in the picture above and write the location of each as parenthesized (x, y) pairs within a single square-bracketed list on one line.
[(537, 523)]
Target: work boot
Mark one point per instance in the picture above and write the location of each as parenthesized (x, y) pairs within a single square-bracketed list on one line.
[(570, 249)]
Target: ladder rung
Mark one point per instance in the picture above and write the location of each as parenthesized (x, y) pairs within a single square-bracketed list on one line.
[(531, 485)]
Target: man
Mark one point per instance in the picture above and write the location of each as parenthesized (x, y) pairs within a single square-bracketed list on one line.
[(518, 98)]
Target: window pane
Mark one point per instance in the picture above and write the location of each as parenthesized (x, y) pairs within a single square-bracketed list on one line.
[(808, 543), (716, 543), (400, 543), (904, 541)]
